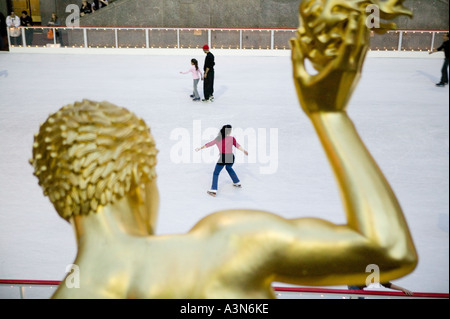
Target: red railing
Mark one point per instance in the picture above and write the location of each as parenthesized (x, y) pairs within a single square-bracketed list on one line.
[(360, 292), (323, 291)]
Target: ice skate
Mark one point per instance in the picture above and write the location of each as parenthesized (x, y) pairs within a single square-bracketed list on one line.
[(238, 185), (213, 193)]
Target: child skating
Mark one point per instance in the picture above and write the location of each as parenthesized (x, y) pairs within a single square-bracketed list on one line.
[(196, 76), (224, 143)]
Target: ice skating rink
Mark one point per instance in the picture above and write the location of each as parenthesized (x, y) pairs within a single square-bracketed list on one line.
[(401, 116)]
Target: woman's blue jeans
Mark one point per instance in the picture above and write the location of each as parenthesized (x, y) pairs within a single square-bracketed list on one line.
[(218, 169)]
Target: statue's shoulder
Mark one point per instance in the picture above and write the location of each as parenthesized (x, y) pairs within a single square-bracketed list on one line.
[(235, 220)]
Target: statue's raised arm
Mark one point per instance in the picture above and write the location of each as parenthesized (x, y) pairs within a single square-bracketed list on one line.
[(334, 37)]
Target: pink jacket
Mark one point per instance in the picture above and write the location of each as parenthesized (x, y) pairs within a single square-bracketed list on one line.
[(196, 74), (225, 146)]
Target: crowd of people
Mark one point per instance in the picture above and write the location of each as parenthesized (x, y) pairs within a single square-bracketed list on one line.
[(87, 7), (14, 22)]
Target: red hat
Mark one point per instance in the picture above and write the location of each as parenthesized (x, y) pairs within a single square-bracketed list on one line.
[(206, 47)]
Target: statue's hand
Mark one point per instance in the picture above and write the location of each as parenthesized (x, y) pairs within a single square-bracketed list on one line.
[(331, 88)]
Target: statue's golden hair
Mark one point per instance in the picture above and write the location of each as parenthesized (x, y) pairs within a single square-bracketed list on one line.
[(90, 154)]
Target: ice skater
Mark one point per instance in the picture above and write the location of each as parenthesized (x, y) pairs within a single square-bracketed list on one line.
[(196, 76), (208, 68), (444, 47), (225, 144)]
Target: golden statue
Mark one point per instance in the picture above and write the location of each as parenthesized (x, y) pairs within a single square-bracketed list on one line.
[(96, 162)]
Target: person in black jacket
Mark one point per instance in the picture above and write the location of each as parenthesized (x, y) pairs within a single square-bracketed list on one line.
[(86, 8), (26, 21), (208, 76), (3, 32), (98, 4), (445, 48)]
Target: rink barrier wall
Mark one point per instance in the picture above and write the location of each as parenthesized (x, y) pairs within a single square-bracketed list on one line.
[(294, 292), (219, 52), (188, 41)]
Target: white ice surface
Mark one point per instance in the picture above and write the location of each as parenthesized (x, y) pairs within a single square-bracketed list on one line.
[(402, 117)]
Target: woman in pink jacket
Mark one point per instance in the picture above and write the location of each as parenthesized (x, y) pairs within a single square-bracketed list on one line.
[(224, 143), (196, 76)]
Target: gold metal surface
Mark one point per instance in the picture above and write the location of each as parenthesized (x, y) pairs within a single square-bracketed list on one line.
[(96, 163)]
